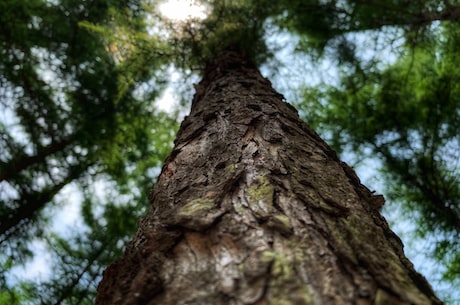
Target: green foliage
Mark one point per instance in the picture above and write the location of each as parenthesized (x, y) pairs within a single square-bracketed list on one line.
[(407, 115), (76, 112), (16, 296), (80, 260), (327, 23), (230, 24)]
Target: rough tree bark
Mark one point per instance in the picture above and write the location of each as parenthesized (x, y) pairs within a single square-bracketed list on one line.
[(252, 207)]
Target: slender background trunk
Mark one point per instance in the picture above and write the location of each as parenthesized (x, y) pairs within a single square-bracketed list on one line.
[(252, 207)]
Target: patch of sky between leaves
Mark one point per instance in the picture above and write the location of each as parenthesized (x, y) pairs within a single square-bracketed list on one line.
[(65, 222), (169, 100), (291, 69), (39, 269)]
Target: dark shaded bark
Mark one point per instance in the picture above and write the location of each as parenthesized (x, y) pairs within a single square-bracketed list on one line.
[(252, 207)]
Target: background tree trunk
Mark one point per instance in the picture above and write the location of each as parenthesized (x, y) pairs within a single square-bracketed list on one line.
[(252, 207)]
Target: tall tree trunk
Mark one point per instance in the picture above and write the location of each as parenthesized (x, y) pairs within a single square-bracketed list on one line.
[(252, 207)]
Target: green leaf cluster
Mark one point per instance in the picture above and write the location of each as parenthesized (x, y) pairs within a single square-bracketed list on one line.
[(78, 81), (407, 115)]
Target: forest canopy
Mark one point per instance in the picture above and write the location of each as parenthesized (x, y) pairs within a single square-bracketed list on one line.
[(83, 132)]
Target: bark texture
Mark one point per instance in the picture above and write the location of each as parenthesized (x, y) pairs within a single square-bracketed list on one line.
[(252, 207)]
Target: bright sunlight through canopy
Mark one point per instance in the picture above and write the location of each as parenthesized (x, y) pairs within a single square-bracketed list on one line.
[(182, 9)]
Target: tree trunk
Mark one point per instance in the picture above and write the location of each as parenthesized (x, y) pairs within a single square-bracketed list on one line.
[(252, 207)]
